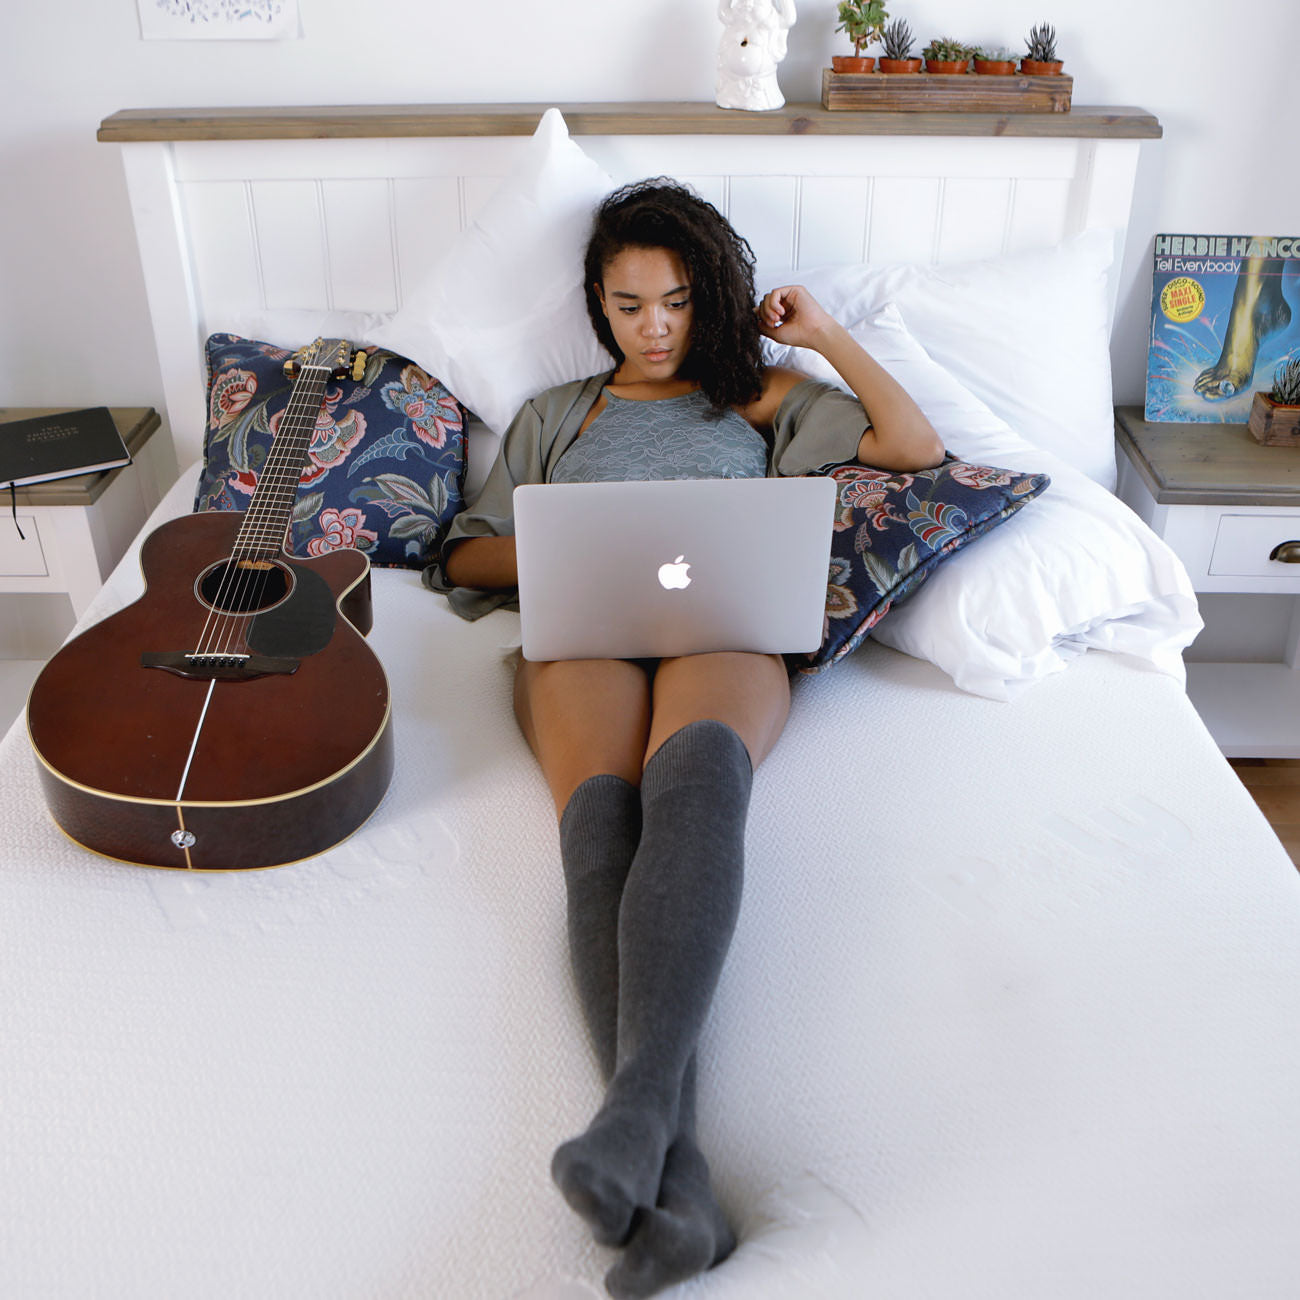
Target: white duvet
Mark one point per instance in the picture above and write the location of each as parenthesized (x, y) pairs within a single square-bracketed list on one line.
[(1012, 1011)]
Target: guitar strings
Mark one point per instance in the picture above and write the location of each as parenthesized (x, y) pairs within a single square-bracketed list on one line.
[(264, 533), (235, 592)]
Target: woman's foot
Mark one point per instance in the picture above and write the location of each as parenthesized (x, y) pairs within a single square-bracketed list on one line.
[(684, 1234), (613, 1169)]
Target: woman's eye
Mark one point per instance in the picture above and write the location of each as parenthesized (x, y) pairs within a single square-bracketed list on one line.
[(628, 311), (678, 306)]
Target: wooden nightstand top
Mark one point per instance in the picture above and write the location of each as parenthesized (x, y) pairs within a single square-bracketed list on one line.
[(136, 424), (1208, 464)]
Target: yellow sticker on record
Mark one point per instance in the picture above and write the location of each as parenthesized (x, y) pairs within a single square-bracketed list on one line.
[(1182, 299)]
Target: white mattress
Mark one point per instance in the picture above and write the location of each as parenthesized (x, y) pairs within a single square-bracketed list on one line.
[(1013, 1010)]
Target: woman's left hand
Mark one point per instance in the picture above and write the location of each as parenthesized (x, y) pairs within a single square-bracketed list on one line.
[(790, 314)]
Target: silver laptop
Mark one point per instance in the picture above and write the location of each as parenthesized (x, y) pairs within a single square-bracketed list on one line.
[(672, 567)]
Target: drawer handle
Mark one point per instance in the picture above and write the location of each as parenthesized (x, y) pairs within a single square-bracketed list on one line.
[(1286, 552)]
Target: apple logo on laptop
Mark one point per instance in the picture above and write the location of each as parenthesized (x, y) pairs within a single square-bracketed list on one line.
[(674, 576)]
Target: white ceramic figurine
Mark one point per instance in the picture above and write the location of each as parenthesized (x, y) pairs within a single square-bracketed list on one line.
[(753, 43)]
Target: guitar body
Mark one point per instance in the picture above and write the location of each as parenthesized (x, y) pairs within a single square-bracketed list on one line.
[(270, 747)]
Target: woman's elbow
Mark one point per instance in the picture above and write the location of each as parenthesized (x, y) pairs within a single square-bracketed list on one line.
[(925, 442), (934, 451), (915, 448)]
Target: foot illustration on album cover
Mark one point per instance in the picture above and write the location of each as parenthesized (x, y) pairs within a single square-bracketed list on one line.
[(1258, 310)]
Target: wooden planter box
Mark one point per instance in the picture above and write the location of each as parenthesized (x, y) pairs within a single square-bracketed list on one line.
[(925, 92), (1273, 424)]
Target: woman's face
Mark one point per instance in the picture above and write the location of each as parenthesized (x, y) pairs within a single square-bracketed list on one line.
[(646, 295)]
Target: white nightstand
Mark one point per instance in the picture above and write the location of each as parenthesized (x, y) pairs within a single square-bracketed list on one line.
[(74, 530), (1228, 505)]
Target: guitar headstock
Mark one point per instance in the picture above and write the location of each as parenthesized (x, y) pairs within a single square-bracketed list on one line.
[(332, 355)]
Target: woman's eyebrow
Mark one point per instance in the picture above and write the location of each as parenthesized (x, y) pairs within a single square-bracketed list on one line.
[(672, 293)]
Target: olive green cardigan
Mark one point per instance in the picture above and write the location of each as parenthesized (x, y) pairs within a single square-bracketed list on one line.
[(816, 425)]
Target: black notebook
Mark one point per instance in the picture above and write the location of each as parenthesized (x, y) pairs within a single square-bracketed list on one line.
[(59, 446)]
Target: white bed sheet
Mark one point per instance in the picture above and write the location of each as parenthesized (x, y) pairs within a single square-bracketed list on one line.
[(1011, 1011)]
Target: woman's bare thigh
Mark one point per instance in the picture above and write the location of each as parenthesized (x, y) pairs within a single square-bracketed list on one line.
[(587, 717), (583, 718)]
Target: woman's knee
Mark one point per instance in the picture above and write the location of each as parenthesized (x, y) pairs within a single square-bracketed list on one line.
[(750, 693)]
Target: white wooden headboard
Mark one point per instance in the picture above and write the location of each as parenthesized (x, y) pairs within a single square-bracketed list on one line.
[(341, 209)]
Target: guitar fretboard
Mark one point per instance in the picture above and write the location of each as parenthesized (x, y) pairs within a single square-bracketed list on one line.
[(266, 522)]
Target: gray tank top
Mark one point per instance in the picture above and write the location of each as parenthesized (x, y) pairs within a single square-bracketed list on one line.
[(674, 437)]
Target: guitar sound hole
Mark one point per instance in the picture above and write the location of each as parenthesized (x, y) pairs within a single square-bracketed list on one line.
[(244, 586)]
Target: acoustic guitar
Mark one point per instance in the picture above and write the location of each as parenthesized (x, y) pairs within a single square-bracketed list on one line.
[(234, 715)]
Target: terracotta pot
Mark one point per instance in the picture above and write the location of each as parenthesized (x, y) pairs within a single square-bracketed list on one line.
[(995, 67), (900, 65), (851, 63), (1272, 423), (1033, 68), (947, 67)]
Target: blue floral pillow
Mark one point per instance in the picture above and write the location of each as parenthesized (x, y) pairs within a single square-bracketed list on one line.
[(386, 464), (892, 529)]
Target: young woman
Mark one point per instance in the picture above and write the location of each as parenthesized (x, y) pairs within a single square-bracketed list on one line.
[(650, 764)]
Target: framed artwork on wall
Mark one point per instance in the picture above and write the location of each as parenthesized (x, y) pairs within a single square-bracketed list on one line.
[(218, 20)]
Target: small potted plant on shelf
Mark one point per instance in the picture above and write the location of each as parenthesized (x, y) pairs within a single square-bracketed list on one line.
[(863, 21), (1275, 415), (995, 61), (946, 56), (1041, 60), (897, 40)]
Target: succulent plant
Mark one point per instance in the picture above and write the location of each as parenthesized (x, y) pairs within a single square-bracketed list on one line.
[(1042, 43), (1286, 382), (898, 40), (996, 54), (863, 21), (946, 50)]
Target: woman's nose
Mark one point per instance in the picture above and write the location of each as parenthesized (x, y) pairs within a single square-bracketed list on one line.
[(656, 322)]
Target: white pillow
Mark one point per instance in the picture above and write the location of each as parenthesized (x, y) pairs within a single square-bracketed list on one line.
[(294, 328), (503, 314), (1026, 333), (1074, 570)]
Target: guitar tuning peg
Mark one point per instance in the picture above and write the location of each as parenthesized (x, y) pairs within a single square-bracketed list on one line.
[(290, 367), (359, 360)]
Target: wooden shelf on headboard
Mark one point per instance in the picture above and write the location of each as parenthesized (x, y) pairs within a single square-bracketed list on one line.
[(379, 121)]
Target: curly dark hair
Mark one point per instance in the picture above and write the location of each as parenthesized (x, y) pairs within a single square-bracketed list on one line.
[(726, 352)]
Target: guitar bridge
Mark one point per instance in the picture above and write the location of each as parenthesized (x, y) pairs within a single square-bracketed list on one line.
[(221, 668)]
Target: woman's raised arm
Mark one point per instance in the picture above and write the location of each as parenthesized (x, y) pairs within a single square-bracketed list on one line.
[(899, 436)]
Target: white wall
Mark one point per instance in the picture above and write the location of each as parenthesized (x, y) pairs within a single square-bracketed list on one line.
[(73, 319)]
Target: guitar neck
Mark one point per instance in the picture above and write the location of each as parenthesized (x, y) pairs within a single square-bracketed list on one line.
[(266, 522)]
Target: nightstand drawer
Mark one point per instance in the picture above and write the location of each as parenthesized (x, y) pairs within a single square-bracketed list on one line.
[(21, 557), (1244, 542)]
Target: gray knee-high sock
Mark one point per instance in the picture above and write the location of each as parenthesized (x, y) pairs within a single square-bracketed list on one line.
[(687, 1231), (600, 829), (679, 908)]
